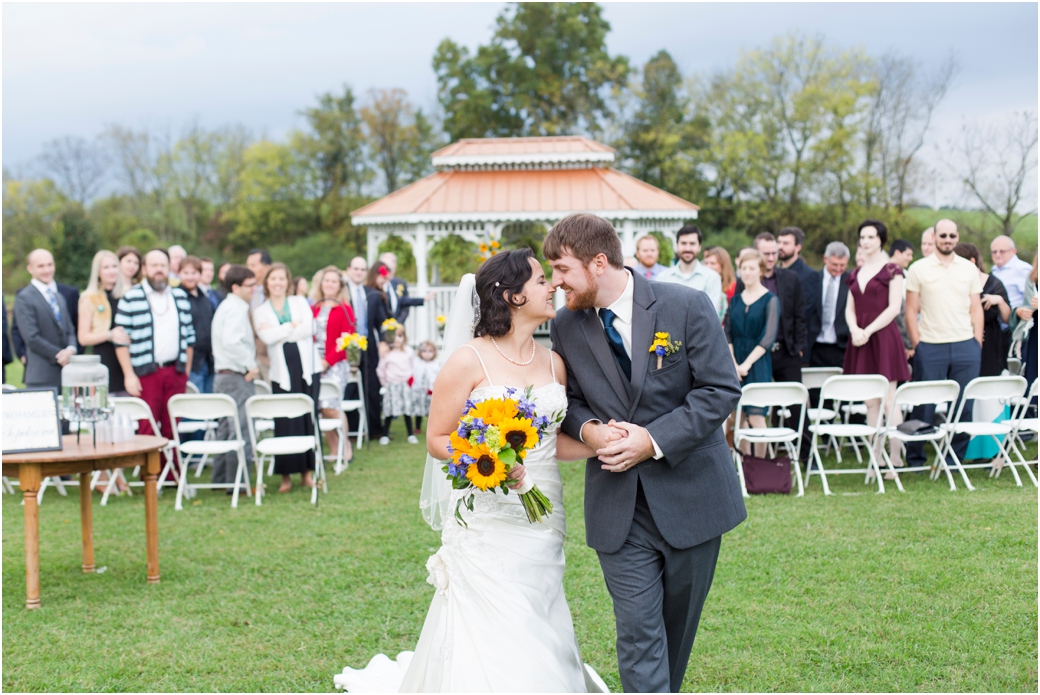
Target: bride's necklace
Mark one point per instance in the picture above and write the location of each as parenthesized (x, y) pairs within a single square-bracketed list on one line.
[(534, 347)]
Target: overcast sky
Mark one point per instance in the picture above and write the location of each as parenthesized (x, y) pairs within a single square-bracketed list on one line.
[(70, 69)]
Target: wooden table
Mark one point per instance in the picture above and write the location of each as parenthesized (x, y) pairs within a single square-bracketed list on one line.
[(84, 458)]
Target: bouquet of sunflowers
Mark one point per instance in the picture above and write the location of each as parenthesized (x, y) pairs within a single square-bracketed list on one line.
[(493, 436), (353, 344), (390, 328)]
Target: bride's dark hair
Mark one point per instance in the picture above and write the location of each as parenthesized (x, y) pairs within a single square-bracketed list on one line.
[(499, 280)]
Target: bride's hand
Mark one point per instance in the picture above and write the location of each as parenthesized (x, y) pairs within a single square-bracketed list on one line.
[(517, 474)]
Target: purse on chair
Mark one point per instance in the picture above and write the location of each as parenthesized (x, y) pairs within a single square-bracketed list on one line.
[(763, 476)]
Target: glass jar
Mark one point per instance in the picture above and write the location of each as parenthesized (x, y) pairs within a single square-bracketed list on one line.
[(84, 389)]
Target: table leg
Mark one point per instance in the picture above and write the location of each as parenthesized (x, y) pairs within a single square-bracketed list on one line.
[(86, 521), (150, 474), (29, 481)]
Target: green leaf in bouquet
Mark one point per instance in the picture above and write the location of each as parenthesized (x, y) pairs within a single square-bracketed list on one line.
[(508, 457)]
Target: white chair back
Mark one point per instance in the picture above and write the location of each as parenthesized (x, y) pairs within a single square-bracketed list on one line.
[(329, 390), (854, 388), (988, 387), (136, 408), (814, 377), (779, 394), (261, 387), (915, 393), (191, 389), (202, 406), (288, 405), (1014, 365)]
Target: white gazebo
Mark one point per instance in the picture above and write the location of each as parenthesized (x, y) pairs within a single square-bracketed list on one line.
[(483, 184)]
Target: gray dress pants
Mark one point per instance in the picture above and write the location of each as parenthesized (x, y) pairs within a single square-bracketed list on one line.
[(658, 594), (236, 386)]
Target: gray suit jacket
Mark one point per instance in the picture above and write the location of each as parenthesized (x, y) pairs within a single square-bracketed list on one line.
[(44, 337), (693, 491)]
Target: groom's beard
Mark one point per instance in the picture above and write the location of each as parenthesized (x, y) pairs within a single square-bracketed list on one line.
[(586, 299)]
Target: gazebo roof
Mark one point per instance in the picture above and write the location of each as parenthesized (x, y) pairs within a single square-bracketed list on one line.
[(518, 179)]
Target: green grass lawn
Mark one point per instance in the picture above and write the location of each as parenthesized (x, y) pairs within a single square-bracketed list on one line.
[(924, 591)]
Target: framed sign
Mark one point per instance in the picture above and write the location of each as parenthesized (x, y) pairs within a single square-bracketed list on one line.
[(31, 420)]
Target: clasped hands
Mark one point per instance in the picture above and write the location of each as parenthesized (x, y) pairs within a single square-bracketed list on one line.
[(619, 445), (859, 336)]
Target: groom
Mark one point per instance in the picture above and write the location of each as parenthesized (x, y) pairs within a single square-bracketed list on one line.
[(662, 489)]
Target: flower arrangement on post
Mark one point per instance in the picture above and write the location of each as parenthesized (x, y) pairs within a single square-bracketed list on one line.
[(353, 344), (494, 436), (442, 321), (390, 328), (488, 250)]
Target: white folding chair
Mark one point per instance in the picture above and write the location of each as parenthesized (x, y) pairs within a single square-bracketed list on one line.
[(910, 395), (771, 395), (1022, 424), (208, 406), (288, 405), (330, 390), (814, 378), (262, 388), (850, 389), (1005, 389), (138, 410), (357, 405)]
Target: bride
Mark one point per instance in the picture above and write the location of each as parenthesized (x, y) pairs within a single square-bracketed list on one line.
[(499, 619)]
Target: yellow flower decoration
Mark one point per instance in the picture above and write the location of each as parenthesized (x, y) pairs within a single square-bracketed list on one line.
[(460, 446), (488, 471), (390, 325), (519, 433), (494, 410)]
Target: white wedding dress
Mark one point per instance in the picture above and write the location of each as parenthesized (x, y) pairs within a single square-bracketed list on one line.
[(499, 621)]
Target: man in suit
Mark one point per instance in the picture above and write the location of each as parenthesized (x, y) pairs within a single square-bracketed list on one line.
[(8, 356), (71, 295), (825, 321), (45, 323), (397, 292), (662, 490), (355, 278)]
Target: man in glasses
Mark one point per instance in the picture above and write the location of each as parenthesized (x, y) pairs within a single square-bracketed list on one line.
[(1010, 269), (947, 336)]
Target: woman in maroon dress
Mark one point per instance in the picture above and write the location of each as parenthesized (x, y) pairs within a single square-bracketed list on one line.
[(875, 298)]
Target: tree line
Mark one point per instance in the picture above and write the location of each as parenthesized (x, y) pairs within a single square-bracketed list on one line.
[(798, 131)]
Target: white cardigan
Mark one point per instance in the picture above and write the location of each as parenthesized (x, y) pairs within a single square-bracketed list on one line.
[(275, 335)]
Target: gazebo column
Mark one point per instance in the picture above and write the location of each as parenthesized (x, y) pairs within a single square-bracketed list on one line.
[(628, 238), (419, 250)]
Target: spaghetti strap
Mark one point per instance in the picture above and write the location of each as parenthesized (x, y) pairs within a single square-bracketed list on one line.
[(552, 364), (482, 365)]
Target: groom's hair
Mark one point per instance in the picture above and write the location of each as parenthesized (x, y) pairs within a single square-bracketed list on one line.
[(584, 236)]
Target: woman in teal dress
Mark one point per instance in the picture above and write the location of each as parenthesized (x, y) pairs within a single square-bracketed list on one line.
[(751, 324)]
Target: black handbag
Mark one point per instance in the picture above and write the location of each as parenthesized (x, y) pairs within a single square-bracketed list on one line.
[(913, 427), (763, 476)]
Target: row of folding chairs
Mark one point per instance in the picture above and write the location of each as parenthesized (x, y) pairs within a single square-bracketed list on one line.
[(826, 426)]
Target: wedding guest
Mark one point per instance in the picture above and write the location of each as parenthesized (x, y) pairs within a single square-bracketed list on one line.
[(1026, 314), (157, 361), (206, 282), (44, 321), (301, 288), (996, 312), (751, 328), (259, 261), (874, 300), (130, 262), (8, 355), (425, 368), (378, 310), (202, 369), (176, 253), (791, 335), (789, 242), (717, 258), (944, 319), (71, 296), (355, 275), (333, 316), (222, 272), (928, 242), (826, 322), (1009, 269), (285, 324), (96, 310), (1022, 318), (902, 254), (647, 253), (397, 291), (234, 359), (396, 377), (689, 272)]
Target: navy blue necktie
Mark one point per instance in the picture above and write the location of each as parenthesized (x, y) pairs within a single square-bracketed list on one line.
[(616, 344)]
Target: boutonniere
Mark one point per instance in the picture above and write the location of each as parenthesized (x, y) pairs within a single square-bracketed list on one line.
[(663, 345), (400, 290)]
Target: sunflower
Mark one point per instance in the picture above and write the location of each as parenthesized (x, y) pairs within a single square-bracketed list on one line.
[(494, 410), (488, 471), (460, 447), (519, 433)]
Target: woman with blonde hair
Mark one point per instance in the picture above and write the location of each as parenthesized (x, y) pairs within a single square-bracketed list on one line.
[(333, 316), (95, 330)]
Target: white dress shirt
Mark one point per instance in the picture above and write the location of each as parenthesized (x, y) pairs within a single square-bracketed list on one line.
[(166, 324), (622, 308), (700, 278), (1014, 275), (828, 334), (234, 347)]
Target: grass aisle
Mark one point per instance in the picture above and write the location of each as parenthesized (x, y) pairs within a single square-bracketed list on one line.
[(929, 590)]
